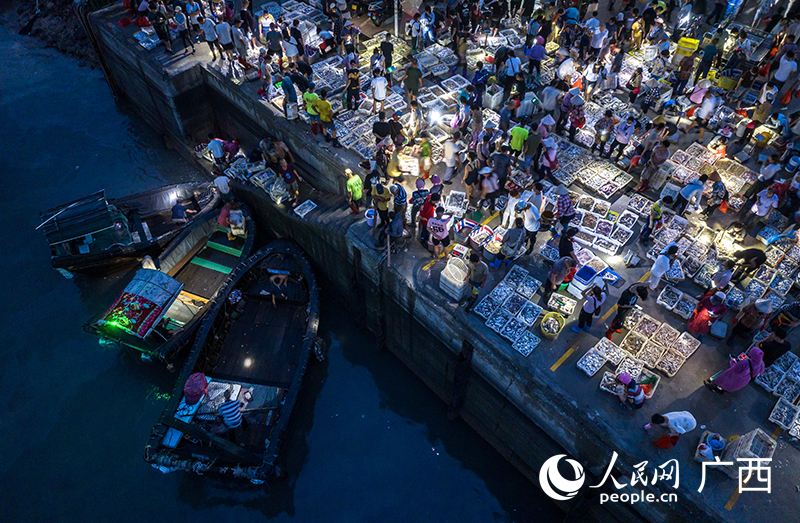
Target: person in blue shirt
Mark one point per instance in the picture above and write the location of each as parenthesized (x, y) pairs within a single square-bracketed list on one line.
[(179, 213), (572, 15), (479, 81), (290, 95), (690, 191), (779, 122), (400, 200)]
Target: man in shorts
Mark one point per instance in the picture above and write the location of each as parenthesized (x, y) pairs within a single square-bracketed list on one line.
[(477, 273), (439, 229), (412, 80), (378, 84), (323, 107), (274, 47)]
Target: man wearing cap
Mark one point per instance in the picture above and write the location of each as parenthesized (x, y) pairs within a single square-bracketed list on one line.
[(549, 159), (752, 317), (630, 393), (354, 190), (622, 137), (309, 97)]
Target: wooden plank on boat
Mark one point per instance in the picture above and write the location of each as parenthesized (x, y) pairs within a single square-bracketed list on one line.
[(184, 296), (211, 265), (224, 248), (189, 255), (222, 444)]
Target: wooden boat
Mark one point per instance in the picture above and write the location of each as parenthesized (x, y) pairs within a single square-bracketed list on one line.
[(100, 233), (247, 342), (160, 310)]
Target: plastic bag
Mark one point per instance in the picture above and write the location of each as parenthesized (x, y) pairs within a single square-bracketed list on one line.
[(666, 441), (724, 206)]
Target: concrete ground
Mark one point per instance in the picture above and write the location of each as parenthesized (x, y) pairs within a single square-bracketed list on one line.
[(731, 414)]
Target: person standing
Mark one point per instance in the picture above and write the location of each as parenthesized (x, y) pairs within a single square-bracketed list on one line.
[(594, 299), (387, 48), (477, 273), (622, 137), (323, 107), (225, 35), (627, 300), (193, 12), (353, 86), (231, 412), (709, 54), (787, 68), (418, 198), (275, 44), (751, 317), (210, 33), (439, 230), (532, 218), (577, 118), (766, 202), (711, 308), (561, 268), (182, 22), (411, 81), (378, 85), (661, 266), (719, 194), (739, 373), (451, 157), (400, 200), (603, 130), (657, 158), (380, 200), (690, 194), (564, 211), (354, 190), (510, 212), (240, 43)]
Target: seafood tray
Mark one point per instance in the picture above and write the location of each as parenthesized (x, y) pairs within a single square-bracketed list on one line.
[(680, 157), (784, 413), (666, 236), (666, 336), (749, 177), (735, 298), (650, 353), (514, 304), (498, 320), (686, 344), (549, 252), (781, 284), (502, 291), (734, 184), (767, 232), (706, 169), (586, 203), (633, 317), (736, 201), (795, 430), (697, 249), (597, 264), (675, 271), (794, 371), (655, 250), (528, 286), (785, 362), (787, 388), (794, 252), (595, 182), (703, 276), (633, 342), (589, 222), (765, 274), (513, 329), (516, 275), (604, 227), (736, 169), (691, 265), (770, 378), (631, 366), (608, 189), (628, 219), (487, 306), (685, 307), (647, 327), (606, 246), (561, 303), (694, 164), (670, 362), (640, 204), (668, 298), (776, 299), (529, 314), (601, 208), (755, 288), (784, 244), (608, 383), (621, 235), (591, 362), (610, 351), (526, 342), (623, 179), (566, 178), (584, 238), (584, 255)]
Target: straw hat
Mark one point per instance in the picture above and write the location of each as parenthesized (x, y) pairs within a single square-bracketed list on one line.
[(577, 101), (490, 125), (561, 190), (575, 91), (485, 170), (764, 305), (549, 143), (548, 120)]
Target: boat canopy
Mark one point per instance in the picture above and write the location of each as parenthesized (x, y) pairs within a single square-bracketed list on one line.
[(143, 303), (88, 216)]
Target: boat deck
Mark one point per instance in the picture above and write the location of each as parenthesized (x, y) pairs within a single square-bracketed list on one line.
[(208, 269)]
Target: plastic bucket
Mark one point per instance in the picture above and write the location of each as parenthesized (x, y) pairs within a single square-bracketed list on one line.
[(794, 163), (370, 215), (561, 322)]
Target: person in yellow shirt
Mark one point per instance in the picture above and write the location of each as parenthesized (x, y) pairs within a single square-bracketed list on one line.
[(323, 107), (309, 97), (637, 33), (380, 199)]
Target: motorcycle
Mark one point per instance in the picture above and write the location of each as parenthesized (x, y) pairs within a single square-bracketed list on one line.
[(359, 7), (380, 11)]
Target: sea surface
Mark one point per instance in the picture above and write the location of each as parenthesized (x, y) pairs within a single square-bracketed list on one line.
[(369, 442)]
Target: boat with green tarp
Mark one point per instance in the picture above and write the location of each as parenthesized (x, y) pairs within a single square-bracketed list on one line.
[(160, 309), (100, 233)]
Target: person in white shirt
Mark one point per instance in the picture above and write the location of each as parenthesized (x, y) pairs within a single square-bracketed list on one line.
[(222, 183), (566, 69), (595, 297), (766, 202), (531, 215), (703, 114), (661, 266), (622, 137), (597, 43), (183, 29), (677, 422), (787, 68), (378, 86), (225, 38), (291, 47), (766, 90), (510, 212), (210, 32), (451, 156)]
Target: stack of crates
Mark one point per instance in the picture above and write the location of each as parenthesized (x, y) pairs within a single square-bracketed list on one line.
[(754, 444), (452, 281)]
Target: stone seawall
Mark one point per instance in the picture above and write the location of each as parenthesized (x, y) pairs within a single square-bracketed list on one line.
[(519, 409)]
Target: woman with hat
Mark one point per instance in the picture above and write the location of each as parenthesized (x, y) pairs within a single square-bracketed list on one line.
[(566, 107), (739, 374), (630, 393), (490, 186), (549, 160), (752, 317), (577, 118), (711, 308), (564, 211)]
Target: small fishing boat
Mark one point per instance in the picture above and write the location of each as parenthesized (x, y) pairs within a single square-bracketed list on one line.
[(96, 232), (253, 346), (160, 309)]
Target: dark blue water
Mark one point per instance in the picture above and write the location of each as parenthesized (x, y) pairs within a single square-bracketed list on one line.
[(369, 442)]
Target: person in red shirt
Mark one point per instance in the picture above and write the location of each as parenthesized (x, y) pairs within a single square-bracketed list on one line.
[(428, 210)]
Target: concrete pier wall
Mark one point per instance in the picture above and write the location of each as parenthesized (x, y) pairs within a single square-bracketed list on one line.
[(526, 419)]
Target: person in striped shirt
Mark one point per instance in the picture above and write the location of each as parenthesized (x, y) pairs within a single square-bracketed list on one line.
[(231, 413)]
